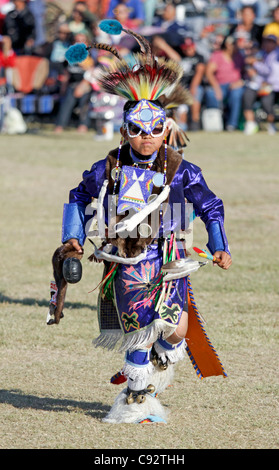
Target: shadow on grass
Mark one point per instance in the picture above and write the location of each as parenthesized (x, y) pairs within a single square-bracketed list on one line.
[(42, 303), (20, 400)]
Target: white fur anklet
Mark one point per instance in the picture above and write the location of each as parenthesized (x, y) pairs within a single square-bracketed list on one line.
[(121, 412), (161, 379), (168, 352)]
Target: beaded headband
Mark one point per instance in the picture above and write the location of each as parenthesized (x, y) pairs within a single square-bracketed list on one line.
[(145, 115)]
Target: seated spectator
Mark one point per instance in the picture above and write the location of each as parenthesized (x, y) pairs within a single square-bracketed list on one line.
[(78, 93), (135, 6), (208, 42), (122, 14), (246, 31), (7, 56), (193, 65), (59, 48), (19, 25), (260, 8), (124, 42), (263, 85), (77, 23), (88, 18), (173, 31), (224, 73), (273, 27)]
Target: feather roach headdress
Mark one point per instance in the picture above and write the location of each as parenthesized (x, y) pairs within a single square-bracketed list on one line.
[(150, 79)]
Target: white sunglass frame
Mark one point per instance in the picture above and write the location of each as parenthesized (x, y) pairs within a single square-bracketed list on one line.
[(126, 127)]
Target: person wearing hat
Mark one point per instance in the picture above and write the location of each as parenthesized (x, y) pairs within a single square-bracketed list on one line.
[(138, 192), (273, 27)]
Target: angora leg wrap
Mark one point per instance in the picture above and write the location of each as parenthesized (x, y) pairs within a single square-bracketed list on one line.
[(169, 354), (138, 369), (161, 379)]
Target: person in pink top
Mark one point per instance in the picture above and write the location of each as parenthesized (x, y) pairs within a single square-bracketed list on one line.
[(224, 73), (7, 55)]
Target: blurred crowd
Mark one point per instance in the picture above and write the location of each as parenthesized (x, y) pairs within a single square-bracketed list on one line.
[(229, 52)]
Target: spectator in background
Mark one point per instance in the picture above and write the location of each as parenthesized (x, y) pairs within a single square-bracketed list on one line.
[(7, 55), (88, 18), (122, 14), (78, 93), (273, 27), (209, 42), (173, 31), (59, 48), (135, 6), (247, 30), (193, 65), (224, 73), (264, 86), (76, 22), (19, 25), (124, 43), (260, 7), (7, 60)]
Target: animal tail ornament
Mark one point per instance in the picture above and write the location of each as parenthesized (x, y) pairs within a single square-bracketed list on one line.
[(66, 269)]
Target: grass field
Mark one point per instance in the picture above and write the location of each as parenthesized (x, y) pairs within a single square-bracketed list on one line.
[(55, 387)]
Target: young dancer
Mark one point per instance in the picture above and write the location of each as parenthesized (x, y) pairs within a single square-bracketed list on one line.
[(139, 192)]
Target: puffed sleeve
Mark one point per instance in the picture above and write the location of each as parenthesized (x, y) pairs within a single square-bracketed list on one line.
[(74, 212), (207, 206)]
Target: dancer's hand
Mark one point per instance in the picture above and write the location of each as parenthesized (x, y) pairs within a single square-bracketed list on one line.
[(223, 259), (76, 246)]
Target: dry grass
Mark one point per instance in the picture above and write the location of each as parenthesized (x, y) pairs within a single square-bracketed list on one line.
[(55, 386)]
